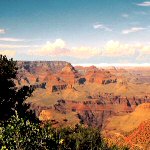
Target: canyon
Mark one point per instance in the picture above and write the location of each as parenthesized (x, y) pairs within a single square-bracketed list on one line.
[(110, 98)]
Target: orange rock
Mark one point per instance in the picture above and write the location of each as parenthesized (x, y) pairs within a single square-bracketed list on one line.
[(100, 77), (45, 115), (69, 74)]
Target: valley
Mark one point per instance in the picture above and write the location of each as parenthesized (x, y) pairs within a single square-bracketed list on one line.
[(114, 99)]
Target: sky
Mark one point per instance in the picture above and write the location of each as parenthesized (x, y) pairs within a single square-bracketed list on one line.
[(77, 31)]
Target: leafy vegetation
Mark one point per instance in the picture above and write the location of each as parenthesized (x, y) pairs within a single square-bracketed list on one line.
[(21, 130), (21, 134)]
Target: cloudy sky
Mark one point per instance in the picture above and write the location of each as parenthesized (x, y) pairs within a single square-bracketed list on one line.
[(78, 31)]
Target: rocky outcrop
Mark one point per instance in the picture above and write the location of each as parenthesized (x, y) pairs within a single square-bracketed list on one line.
[(45, 115), (95, 118), (95, 112), (54, 83), (69, 74), (128, 122), (60, 106), (84, 70), (31, 72), (100, 77), (140, 137), (64, 79), (130, 130), (36, 66)]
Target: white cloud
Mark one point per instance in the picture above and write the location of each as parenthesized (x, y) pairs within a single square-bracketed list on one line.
[(146, 4), (2, 31), (112, 48), (84, 52), (102, 27), (132, 30), (56, 48), (9, 53), (115, 48), (59, 48), (59, 43), (7, 39), (125, 15), (144, 53)]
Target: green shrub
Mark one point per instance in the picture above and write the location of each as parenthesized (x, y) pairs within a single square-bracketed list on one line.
[(21, 134), (81, 138)]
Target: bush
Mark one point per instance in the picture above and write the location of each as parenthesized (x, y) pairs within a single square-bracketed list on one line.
[(21, 134), (18, 133), (81, 138)]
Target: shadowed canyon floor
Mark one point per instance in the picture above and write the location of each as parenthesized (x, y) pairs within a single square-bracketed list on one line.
[(110, 98)]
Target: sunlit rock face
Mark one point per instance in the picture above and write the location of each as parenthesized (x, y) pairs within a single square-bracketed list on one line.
[(92, 94), (69, 74), (100, 77), (130, 129)]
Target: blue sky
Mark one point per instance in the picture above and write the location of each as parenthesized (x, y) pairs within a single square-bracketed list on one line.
[(78, 31)]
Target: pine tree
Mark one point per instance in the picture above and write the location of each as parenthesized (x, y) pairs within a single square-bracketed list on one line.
[(11, 98)]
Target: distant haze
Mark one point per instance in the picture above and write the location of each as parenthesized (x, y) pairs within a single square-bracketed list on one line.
[(114, 64)]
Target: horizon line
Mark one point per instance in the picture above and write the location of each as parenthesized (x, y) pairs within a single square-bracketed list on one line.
[(115, 65), (97, 65)]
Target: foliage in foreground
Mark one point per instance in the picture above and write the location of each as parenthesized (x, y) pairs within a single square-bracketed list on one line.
[(21, 134), (13, 98)]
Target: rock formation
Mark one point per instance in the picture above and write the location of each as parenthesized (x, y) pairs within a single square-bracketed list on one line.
[(69, 75), (132, 129), (94, 94), (34, 71), (100, 77), (110, 98)]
